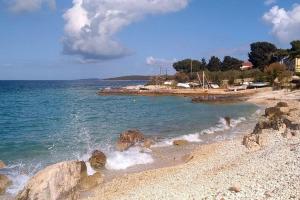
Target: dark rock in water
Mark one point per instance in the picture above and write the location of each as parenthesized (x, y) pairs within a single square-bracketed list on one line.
[(282, 104), (97, 160), (180, 142), (4, 183), (128, 139), (58, 181), (2, 164), (228, 120)]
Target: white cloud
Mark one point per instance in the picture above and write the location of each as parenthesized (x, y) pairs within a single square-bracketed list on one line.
[(270, 2), (160, 62), (91, 25), (285, 23), (29, 5)]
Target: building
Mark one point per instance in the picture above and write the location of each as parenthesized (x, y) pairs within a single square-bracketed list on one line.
[(297, 65), (246, 65)]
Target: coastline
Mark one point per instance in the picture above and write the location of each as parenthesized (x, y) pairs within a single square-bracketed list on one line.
[(213, 169)]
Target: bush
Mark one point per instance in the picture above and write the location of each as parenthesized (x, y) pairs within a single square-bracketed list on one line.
[(181, 77)]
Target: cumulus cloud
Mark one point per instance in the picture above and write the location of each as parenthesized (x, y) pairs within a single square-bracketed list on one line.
[(160, 62), (270, 2), (91, 25), (29, 5), (285, 23)]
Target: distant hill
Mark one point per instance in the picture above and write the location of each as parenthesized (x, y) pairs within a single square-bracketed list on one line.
[(130, 78)]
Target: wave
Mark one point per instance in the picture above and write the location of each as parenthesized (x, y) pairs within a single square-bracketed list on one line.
[(195, 137)]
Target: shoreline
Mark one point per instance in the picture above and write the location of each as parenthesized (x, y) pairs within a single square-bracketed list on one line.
[(135, 185), (198, 161)]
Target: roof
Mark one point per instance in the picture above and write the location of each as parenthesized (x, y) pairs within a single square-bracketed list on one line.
[(247, 63)]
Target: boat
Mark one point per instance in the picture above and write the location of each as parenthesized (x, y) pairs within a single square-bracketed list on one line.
[(259, 84)]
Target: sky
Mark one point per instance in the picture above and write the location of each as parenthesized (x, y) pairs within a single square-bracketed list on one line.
[(66, 40)]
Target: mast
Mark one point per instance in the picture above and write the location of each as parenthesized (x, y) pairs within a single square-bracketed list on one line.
[(203, 79)]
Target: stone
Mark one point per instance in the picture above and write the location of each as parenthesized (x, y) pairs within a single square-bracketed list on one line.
[(263, 123), (273, 112), (123, 146), (97, 160), (131, 136), (91, 181), (235, 189), (180, 142), (128, 139), (2, 164), (282, 104), (187, 158), (255, 141), (228, 120), (55, 182), (148, 143), (4, 183)]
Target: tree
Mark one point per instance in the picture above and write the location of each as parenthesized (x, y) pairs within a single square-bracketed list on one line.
[(187, 65), (230, 63), (295, 50), (274, 70), (262, 54), (214, 64)]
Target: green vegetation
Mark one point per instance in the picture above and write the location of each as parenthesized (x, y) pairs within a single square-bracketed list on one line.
[(266, 58)]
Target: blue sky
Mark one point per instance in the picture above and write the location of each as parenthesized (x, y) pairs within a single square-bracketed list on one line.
[(41, 39)]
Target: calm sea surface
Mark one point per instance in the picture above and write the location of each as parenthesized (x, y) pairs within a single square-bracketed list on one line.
[(43, 122)]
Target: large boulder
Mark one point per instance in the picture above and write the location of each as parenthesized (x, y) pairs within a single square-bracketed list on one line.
[(2, 164), (60, 181), (97, 160), (128, 139), (4, 183)]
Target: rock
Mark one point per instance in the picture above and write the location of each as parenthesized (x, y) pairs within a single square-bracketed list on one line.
[(97, 160), (291, 123), (228, 120), (187, 158), (55, 182), (131, 136), (128, 139), (91, 181), (235, 189), (282, 104), (2, 164), (4, 183), (263, 123), (255, 141), (273, 112), (180, 142), (122, 146), (148, 143)]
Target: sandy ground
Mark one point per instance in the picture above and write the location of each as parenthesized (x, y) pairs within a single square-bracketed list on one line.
[(273, 172)]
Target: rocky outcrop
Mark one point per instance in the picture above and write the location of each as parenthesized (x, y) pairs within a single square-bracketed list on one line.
[(4, 183), (280, 118), (91, 181), (97, 160), (180, 142), (60, 181), (128, 139)]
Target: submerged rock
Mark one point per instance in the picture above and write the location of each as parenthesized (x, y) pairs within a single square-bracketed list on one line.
[(55, 182), (97, 160), (4, 183), (180, 142), (128, 139)]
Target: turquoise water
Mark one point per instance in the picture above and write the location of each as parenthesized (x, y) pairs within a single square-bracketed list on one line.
[(44, 122)]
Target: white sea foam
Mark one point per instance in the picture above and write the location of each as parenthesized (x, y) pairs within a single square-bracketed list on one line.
[(122, 160), (195, 137)]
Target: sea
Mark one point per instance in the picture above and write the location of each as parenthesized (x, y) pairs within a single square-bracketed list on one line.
[(45, 122)]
